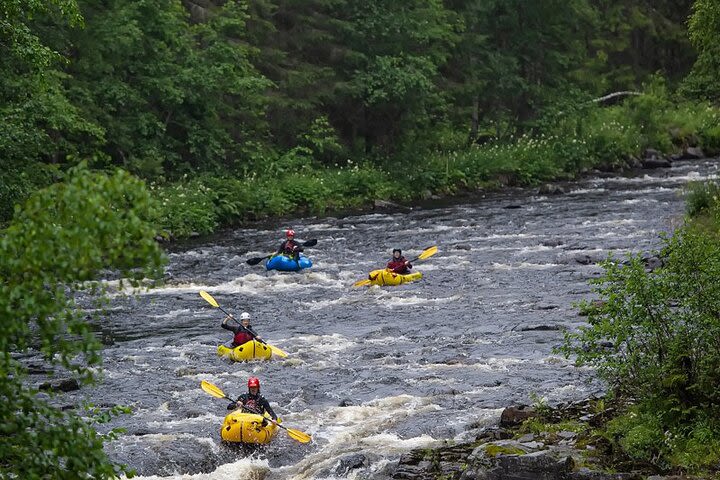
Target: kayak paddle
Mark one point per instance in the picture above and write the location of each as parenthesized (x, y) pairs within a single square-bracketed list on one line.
[(215, 391), (427, 253), (256, 260), (209, 298)]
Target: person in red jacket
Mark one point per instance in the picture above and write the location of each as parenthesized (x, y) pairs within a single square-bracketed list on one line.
[(243, 332), (398, 264), (290, 247)]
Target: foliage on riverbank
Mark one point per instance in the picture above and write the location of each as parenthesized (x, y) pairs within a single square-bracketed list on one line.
[(567, 143), (52, 250), (653, 337)]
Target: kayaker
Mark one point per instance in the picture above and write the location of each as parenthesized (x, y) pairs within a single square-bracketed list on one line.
[(398, 264), (290, 247), (243, 332), (252, 401)]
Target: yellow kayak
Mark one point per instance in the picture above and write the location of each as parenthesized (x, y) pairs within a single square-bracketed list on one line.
[(252, 350), (240, 427), (388, 277)]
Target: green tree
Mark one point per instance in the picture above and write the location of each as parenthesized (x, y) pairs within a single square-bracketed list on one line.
[(388, 92), (515, 58), (635, 39), (53, 249), (172, 97), (704, 80), (300, 51), (39, 123)]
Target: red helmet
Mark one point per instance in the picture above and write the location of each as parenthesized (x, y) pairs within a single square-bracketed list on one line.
[(290, 233), (253, 382)]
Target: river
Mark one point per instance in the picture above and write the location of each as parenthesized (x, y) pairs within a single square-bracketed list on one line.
[(412, 365)]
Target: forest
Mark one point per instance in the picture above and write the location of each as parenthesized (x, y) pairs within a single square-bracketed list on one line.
[(237, 110)]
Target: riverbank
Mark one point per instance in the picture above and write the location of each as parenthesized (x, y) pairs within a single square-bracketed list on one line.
[(648, 131), (572, 441)]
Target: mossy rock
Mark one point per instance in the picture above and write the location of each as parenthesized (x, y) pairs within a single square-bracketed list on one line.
[(493, 450)]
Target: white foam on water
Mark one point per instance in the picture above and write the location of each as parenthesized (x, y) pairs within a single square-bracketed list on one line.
[(325, 343), (535, 248), (320, 304), (524, 266), (397, 444), (357, 428), (615, 222), (244, 469), (582, 191), (639, 201), (203, 419), (174, 313), (415, 300), (690, 176), (387, 340), (499, 364)]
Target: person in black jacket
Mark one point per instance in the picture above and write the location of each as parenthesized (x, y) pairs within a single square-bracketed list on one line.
[(253, 402), (290, 247)]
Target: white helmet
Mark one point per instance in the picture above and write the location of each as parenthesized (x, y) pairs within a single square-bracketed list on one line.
[(245, 316)]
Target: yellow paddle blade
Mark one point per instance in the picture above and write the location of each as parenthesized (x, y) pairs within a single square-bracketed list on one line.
[(277, 351), (212, 389), (208, 298), (301, 437), (362, 283), (427, 253)]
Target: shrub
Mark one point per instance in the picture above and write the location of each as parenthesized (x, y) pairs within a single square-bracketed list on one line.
[(653, 337), (701, 197)]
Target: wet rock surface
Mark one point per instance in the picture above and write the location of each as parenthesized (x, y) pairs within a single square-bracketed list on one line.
[(501, 453)]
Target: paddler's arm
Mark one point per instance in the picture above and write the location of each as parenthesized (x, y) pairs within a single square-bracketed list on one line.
[(225, 325), (266, 406)]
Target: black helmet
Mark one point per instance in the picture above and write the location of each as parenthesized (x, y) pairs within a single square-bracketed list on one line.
[(397, 250)]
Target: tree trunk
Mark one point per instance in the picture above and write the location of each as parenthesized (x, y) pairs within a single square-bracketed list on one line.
[(474, 120)]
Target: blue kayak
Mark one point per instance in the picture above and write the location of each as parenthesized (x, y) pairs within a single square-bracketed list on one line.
[(288, 264)]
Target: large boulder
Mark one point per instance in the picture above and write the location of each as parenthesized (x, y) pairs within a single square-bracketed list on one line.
[(64, 385), (350, 462), (655, 159), (549, 189), (513, 416), (542, 465), (693, 153)]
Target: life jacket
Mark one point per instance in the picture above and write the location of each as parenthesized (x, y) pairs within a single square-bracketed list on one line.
[(398, 265), (241, 337), (253, 402), (289, 246)]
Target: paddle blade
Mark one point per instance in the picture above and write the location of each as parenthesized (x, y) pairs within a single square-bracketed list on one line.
[(362, 283), (301, 437), (310, 243), (208, 298), (212, 390), (427, 253), (277, 351), (255, 260)]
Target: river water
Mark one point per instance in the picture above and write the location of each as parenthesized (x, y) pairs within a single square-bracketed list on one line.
[(413, 365)]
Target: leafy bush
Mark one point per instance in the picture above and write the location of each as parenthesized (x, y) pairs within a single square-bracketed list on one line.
[(701, 197), (653, 337), (186, 209), (56, 244)]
